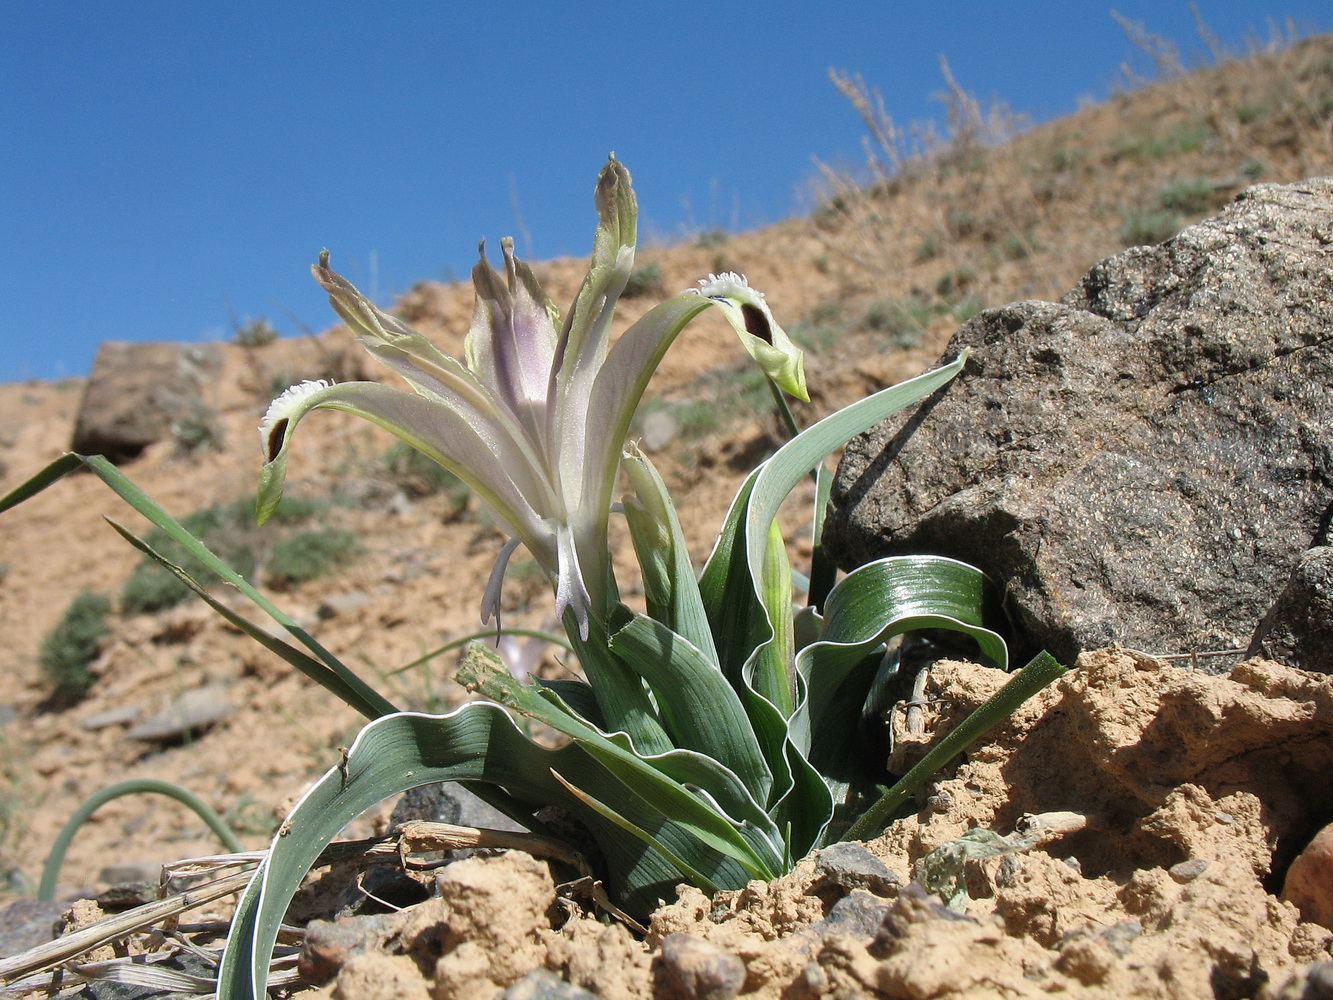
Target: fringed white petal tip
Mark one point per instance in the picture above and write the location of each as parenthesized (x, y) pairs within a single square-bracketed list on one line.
[(282, 407), (728, 285)]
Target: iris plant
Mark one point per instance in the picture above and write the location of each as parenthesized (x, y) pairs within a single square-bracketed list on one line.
[(535, 418), (718, 737)]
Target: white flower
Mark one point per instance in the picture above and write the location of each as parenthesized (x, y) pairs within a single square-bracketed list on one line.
[(535, 420)]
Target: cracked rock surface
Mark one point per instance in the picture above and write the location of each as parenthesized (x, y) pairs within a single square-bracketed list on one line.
[(1142, 462)]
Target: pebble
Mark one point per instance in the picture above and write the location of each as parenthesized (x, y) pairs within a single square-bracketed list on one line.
[(700, 970), (849, 866), (121, 716), (1188, 871), (192, 711), (1309, 882), (542, 984), (342, 604)]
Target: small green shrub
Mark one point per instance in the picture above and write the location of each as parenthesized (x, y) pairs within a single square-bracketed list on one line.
[(197, 431), (1190, 195), (952, 284), (256, 333), (816, 337), (1148, 228), (228, 529), (1066, 159), (311, 553), (904, 320), (73, 644), (419, 476), (711, 238), (927, 249), (1250, 168), (646, 280), (1248, 114), (960, 222)]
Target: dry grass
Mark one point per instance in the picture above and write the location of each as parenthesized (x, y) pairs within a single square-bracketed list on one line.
[(988, 209)]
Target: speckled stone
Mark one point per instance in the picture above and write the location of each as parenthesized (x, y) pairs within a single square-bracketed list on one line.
[(1142, 462)]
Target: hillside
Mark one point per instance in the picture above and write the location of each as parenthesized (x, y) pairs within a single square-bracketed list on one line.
[(873, 284)]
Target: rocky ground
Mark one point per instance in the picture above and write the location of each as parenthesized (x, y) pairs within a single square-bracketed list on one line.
[(1173, 800)]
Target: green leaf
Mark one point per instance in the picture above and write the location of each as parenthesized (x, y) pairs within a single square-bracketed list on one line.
[(478, 742), (731, 822), (701, 710), (1041, 671), (670, 589), (312, 668)]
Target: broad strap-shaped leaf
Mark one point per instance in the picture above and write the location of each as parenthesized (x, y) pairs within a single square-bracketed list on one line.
[(885, 598), (717, 807), (739, 616), (670, 588), (701, 711), (478, 742)]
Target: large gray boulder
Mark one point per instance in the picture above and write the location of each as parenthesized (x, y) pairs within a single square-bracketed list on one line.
[(136, 392), (1142, 462)]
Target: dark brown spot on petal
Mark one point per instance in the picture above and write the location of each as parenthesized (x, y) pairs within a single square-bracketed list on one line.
[(756, 323), (276, 436)]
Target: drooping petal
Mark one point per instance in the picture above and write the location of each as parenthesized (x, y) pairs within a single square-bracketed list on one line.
[(466, 443), (766, 342), (570, 590), (490, 599), (511, 345), (426, 368)]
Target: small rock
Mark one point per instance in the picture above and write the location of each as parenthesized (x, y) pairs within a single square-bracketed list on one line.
[(342, 604), (1298, 628), (1188, 871), (858, 914), (448, 802), (191, 712), (849, 866), (131, 871), (26, 923), (698, 970), (1309, 882), (121, 716), (658, 430), (136, 392), (1319, 982), (542, 984), (331, 944), (914, 905), (380, 889)]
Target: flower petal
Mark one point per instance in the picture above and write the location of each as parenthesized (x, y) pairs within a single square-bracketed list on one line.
[(427, 369), (511, 346), (468, 444), (766, 342), (583, 341)]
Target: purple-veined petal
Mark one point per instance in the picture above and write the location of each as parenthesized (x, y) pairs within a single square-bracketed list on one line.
[(468, 444), (511, 345)]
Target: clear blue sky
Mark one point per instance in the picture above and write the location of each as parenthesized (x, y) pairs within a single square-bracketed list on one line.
[(162, 162)]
